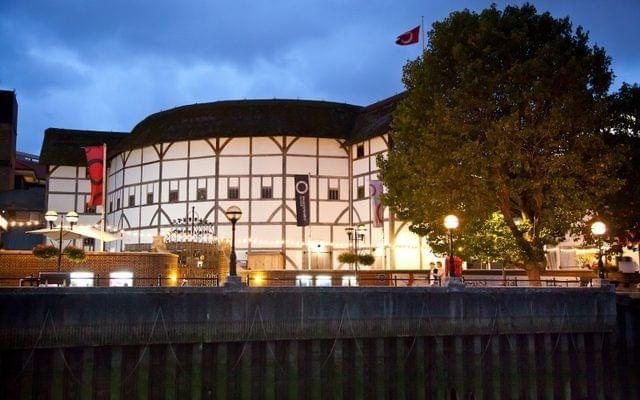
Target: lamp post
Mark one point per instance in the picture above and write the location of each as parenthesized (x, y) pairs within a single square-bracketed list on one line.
[(349, 231), (51, 217), (598, 229), (360, 231), (233, 214), (451, 222)]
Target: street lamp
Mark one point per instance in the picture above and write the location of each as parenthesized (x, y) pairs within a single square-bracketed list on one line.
[(598, 229), (233, 214), (51, 217), (349, 231), (451, 222), (360, 231)]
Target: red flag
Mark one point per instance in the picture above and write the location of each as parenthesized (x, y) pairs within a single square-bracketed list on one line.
[(409, 37), (95, 162)]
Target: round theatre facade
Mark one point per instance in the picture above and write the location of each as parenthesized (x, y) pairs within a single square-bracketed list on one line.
[(196, 161)]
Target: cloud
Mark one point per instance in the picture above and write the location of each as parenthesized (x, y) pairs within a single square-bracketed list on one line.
[(107, 65)]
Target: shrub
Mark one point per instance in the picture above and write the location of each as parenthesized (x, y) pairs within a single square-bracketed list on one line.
[(366, 259), (45, 251), (347, 258), (74, 254)]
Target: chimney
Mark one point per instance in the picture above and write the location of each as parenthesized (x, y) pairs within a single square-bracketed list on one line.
[(8, 131)]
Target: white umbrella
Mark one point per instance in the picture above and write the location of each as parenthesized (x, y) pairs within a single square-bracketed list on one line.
[(77, 232)]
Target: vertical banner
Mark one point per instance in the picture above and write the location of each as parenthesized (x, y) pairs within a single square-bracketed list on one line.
[(302, 200), (95, 169), (375, 190)]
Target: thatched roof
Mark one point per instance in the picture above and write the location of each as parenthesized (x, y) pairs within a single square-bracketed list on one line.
[(64, 146), (240, 118)]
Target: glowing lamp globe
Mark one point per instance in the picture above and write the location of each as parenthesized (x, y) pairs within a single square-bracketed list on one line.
[(233, 213), (451, 222), (598, 228), (51, 216), (72, 217)]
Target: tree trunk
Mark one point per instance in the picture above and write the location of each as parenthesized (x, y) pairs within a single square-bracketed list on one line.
[(534, 268)]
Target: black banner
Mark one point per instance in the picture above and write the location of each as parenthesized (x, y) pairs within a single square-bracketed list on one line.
[(302, 199)]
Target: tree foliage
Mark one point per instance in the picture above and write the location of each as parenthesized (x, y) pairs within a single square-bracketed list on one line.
[(621, 209), (503, 113)]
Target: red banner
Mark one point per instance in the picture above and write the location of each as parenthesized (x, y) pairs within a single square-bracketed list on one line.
[(95, 163)]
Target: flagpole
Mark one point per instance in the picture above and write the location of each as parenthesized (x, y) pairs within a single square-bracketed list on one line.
[(422, 31), (104, 194)]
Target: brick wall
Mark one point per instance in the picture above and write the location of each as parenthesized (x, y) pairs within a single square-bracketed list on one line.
[(20, 264)]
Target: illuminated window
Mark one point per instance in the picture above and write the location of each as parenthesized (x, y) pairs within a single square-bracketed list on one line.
[(266, 192), (349, 280), (233, 193), (304, 280), (81, 279), (323, 280), (121, 278)]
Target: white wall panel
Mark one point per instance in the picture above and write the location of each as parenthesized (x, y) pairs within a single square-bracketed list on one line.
[(264, 165), (146, 213), (330, 211), (84, 186), (303, 145), (150, 172), (244, 188), (361, 166), (62, 185), (175, 150), (277, 187), (149, 154), (132, 175), (61, 202), (174, 169), (63, 172), (377, 144), (334, 166), (135, 157), (234, 165), (264, 145), (261, 210), (301, 165), (236, 146), (201, 148), (202, 167), (269, 233), (331, 147)]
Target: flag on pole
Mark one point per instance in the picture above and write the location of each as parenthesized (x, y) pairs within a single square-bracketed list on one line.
[(409, 37), (95, 164), (375, 190)]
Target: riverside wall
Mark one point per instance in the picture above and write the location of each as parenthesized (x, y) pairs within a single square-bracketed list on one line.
[(314, 343)]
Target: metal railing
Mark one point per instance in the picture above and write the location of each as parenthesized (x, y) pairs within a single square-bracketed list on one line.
[(382, 280)]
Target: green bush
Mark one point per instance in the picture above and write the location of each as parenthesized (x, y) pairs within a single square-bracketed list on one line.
[(347, 258), (74, 254), (366, 259), (45, 251)]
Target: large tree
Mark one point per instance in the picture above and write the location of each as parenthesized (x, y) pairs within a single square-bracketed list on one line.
[(621, 209), (504, 113)]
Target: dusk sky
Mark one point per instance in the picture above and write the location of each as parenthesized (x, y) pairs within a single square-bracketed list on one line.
[(106, 65)]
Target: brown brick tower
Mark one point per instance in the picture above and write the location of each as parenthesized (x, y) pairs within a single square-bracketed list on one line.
[(8, 130)]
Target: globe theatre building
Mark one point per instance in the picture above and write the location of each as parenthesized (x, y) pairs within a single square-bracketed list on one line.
[(199, 159)]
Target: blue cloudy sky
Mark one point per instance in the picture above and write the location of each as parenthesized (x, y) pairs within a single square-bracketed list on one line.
[(105, 65)]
